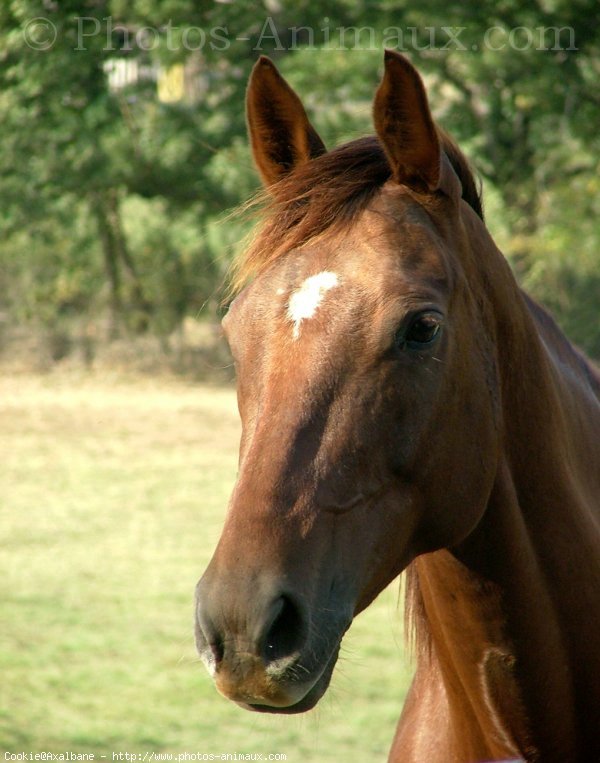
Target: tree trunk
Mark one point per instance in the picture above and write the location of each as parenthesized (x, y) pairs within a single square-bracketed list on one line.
[(111, 264), (141, 305)]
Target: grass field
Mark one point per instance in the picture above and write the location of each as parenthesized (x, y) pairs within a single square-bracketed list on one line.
[(112, 495)]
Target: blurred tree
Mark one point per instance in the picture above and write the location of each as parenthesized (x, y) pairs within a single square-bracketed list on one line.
[(110, 195), (522, 81)]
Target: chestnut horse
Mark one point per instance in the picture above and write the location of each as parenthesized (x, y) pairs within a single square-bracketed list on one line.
[(404, 405)]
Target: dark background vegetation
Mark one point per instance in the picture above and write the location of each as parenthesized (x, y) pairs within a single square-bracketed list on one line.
[(121, 150)]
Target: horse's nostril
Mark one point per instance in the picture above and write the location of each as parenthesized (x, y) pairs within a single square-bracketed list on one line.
[(217, 650), (286, 632)]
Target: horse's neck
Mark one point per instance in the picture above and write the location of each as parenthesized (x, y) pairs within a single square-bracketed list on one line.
[(468, 651), (547, 488), (514, 613), (541, 534), (518, 662)]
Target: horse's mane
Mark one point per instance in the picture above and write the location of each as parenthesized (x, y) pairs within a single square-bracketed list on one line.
[(329, 191), (416, 627)]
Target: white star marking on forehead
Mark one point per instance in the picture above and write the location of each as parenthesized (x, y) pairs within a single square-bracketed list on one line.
[(305, 301)]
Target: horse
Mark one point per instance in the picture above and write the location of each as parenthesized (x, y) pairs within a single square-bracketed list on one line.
[(404, 406)]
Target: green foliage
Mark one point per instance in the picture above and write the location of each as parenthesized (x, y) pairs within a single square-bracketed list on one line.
[(566, 276), (111, 196)]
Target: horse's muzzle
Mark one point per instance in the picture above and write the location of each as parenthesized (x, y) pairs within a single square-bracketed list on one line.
[(255, 642)]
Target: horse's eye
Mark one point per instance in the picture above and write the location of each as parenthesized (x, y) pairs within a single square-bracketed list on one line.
[(421, 332)]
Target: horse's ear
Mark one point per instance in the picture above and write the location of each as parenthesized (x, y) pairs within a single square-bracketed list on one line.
[(280, 133), (405, 127)]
